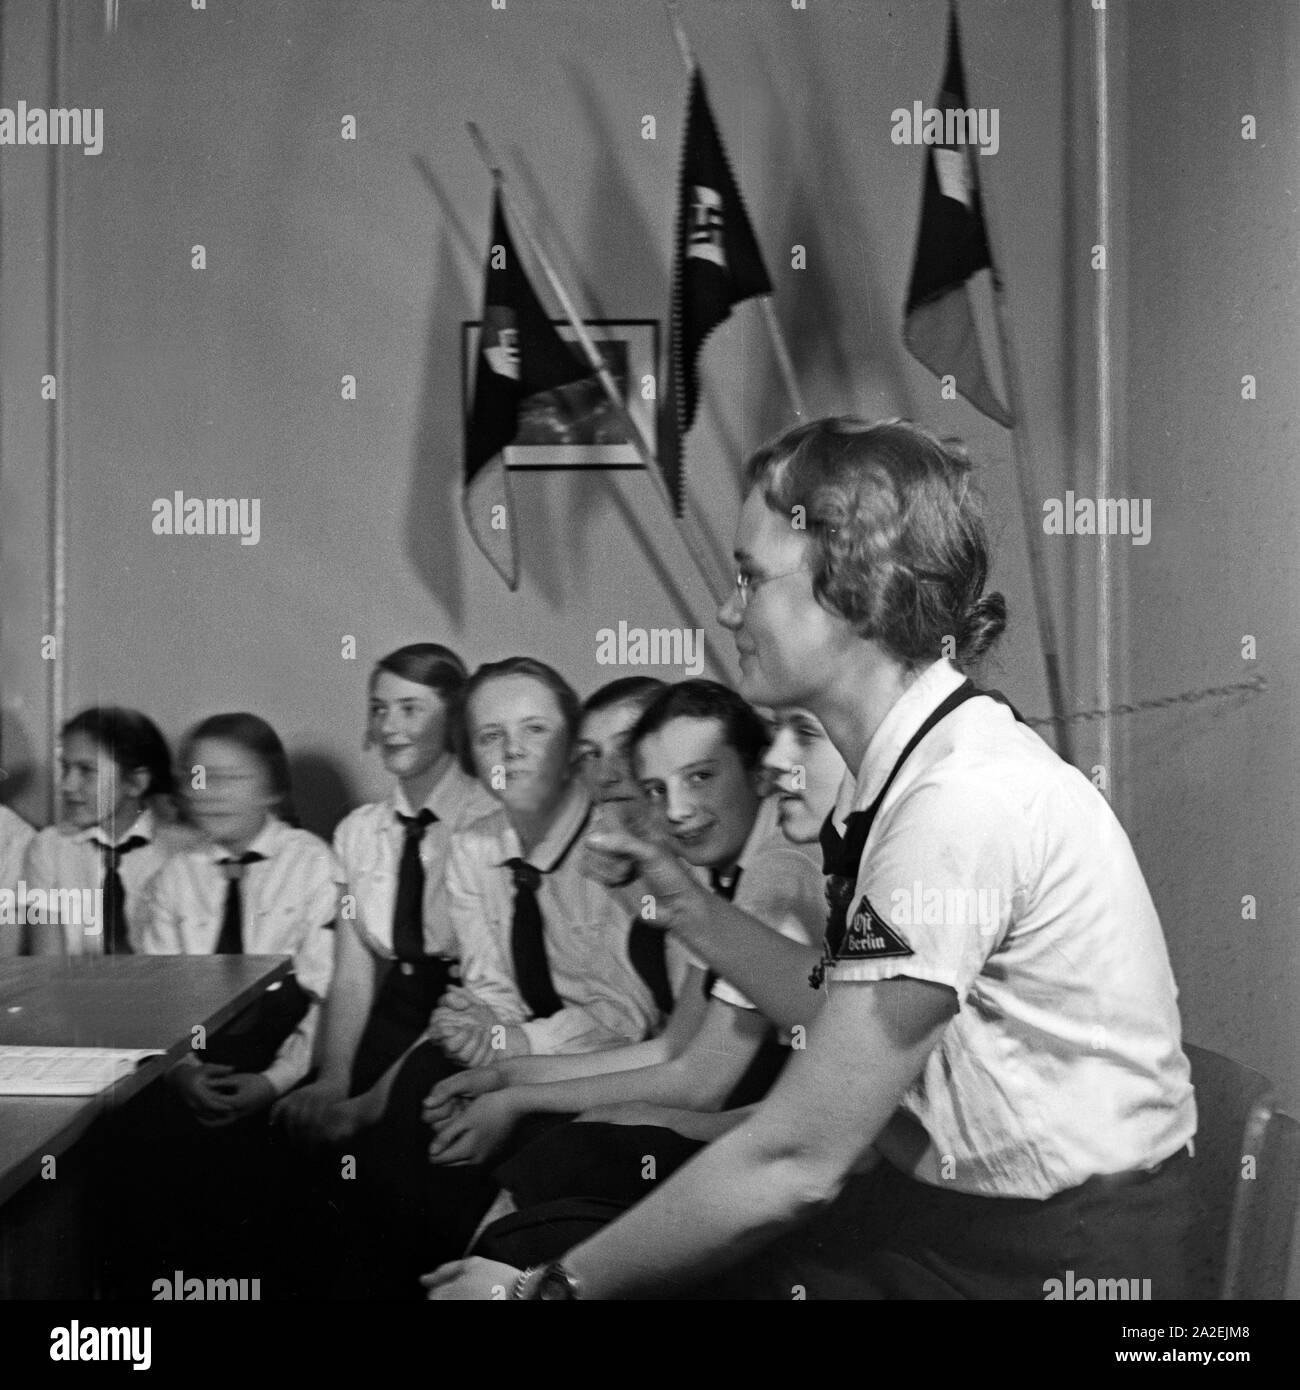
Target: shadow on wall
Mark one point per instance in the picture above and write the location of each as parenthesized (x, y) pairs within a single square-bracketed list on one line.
[(322, 794), (433, 519), (544, 560), (615, 223), (844, 337)]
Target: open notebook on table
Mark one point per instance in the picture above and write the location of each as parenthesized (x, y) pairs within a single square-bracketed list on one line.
[(66, 1071)]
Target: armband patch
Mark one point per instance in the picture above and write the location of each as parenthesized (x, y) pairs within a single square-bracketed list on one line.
[(870, 937), (866, 936)]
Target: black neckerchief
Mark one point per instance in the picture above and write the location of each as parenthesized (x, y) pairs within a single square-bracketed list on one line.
[(842, 854)]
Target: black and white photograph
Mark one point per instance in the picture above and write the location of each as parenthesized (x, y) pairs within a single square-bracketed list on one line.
[(648, 654), (579, 424)]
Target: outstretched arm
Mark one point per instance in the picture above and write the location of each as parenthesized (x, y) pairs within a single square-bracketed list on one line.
[(683, 1024), (770, 969), (321, 1111), (700, 1079), (866, 1047)]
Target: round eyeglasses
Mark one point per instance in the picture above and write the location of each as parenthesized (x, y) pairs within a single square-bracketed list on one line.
[(746, 584)]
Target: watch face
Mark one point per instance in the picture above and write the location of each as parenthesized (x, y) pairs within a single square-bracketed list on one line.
[(555, 1284)]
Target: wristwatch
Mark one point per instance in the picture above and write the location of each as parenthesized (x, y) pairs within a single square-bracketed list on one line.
[(555, 1283)]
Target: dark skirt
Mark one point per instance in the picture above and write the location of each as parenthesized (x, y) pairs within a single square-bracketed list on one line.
[(888, 1236), (400, 1216), (176, 1195), (407, 994)]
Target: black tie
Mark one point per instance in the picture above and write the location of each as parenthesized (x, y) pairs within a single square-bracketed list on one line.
[(231, 940), (114, 924), (408, 905), (724, 883), (647, 949), (528, 943)]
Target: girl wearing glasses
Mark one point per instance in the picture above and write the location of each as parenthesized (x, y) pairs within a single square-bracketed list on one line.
[(993, 1095)]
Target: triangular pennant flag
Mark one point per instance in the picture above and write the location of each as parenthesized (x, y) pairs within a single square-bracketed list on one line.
[(519, 355), (951, 246), (716, 264)]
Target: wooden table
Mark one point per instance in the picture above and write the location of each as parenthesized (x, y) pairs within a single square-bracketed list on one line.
[(126, 1001)]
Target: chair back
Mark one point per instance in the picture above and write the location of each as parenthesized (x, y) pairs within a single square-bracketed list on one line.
[(1234, 1107), (1262, 1242)]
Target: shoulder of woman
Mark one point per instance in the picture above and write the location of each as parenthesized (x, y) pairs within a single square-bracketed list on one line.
[(362, 820)]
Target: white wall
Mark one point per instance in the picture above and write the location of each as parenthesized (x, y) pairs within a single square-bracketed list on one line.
[(1212, 266)]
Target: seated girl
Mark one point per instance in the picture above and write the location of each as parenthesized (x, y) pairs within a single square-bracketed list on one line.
[(605, 767), (544, 961), (604, 764), (258, 886), (697, 748), (394, 947), (542, 948), (570, 1182), (993, 1095), (117, 831)]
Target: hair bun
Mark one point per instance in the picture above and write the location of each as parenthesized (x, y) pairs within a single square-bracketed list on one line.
[(981, 626)]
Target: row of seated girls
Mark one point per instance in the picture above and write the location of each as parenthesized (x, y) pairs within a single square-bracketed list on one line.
[(481, 1040)]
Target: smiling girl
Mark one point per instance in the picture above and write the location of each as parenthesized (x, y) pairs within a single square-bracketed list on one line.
[(543, 958), (394, 945), (542, 947), (980, 1104), (805, 769), (602, 754)]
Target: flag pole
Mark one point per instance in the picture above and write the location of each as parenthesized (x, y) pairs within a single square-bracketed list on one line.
[(780, 349), (597, 364), (1025, 475), (783, 363)]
